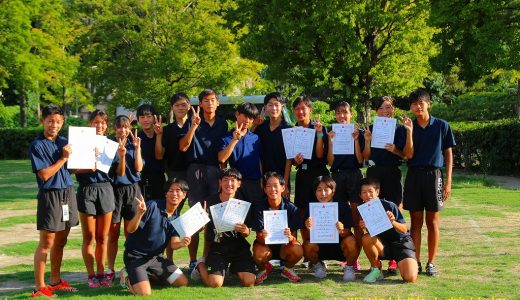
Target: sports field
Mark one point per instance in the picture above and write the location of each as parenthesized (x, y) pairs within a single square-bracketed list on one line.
[(479, 256)]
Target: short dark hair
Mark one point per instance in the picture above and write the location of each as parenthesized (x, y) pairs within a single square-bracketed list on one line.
[(179, 96), (121, 120), (327, 180), (98, 112), (302, 99), (276, 96), (380, 100), (418, 94), (146, 109), (276, 175), (342, 104), (183, 185), (207, 92), (231, 172), (51, 109), (248, 109), (369, 181)]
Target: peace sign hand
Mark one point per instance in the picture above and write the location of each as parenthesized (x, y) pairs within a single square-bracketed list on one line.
[(238, 132), (195, 119), (136, 140), (141, 205), (121, 149), (317, 125), (157, 126)]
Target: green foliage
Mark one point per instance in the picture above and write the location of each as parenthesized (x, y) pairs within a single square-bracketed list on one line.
[(8, 115), (20, 148), (485, 106), (488, 147)]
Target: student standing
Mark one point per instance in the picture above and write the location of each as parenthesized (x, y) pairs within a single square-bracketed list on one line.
[(424, 188), (57, 211), (201, 144)]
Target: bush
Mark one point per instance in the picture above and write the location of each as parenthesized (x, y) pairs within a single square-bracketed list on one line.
[(15, 142), (488, 147)]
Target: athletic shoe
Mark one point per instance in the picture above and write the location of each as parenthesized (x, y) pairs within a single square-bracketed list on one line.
[(262, 275), (123, 278), (348, 273), (63, 286), (289, 274), (104, 281), (45, 292), (109, 276), (374, 275), (319, 270), (192, 266), (430, 270), (357, 265), (93, 282), (194, 273), (392, 267), (419, 267)]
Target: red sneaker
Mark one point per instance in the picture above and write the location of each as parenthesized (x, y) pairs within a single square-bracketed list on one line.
[(63, 286), (45, 292), (392, 267), (290, 274), (262, 275)]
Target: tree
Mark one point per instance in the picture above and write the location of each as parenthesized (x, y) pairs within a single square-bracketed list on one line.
[(135, 50), (479, 37), (354, 48)]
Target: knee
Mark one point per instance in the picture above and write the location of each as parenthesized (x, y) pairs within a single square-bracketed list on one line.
[(249, 280), (60, 243), (181, 281), (214, 284), (408, 277), (100, 240), (294, 251), (366, 240)]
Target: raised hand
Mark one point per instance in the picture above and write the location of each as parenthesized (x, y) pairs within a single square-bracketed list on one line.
[(195, 118), (66, 151), (391, 216), (136, 140), (186, 241), (121, 149), (367, 134), (317, 125), (141, 204), (157, 126), (331, 136), (238, 133), (355, 133), (407, 123)]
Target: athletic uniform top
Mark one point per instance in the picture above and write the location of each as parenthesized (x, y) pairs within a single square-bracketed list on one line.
[(176, 160), (43, 153), (315, 162), (272, 150), (153, 233), (348, 161), (206, 141), (383, 157), (430, 142), (293, 215), (152, 166), (391, 235), (131, 175), (245, 156), (344, 214)]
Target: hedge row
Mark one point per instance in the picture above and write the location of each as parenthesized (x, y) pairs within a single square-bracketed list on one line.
[(492, 147)]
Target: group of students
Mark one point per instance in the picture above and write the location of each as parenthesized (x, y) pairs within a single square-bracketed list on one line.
[(194, 150)]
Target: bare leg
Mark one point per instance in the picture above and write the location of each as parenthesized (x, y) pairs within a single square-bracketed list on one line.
[(60, 240), (416, 224), (102, 228), (408, 269), (112, 247), (292, 253), (40, 257), (432, 224), (88, 228), (261, 255)]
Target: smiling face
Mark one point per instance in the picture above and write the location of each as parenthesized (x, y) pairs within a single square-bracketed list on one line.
[(343, 115), (324, 193), (229, 185), (273, 189), (100, 124), (274, 108), (175, 195), (180, 108), (52, 125), (385, 110), (302, 112), (123, 130), (368, 192)]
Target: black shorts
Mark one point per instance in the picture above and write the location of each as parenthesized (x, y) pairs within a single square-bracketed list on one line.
[(203, 182), (398, 250), (250, 191), (138, 267), (389, 178), (331, 252), (423, 190), (49, 214), (96, 199), (240, 260), (124, 204), (347, 185), (303, 193), (152, 186)]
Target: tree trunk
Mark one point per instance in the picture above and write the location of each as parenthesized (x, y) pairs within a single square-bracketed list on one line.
[(23, 110), (363, 109), (518, 96)]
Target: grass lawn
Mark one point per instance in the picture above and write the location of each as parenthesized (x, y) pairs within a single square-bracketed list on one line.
[(478, 255)]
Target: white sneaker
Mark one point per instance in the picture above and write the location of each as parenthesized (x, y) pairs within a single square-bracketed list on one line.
[(348, 273), (319, 270)]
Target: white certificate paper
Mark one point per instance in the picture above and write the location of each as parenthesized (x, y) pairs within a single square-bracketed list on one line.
[(275, 222), (343, 142), (191, 221), (304, 141), (83, 142), (288, 135), (375, 217), (217, 211), (383, 132), (324, 218), (107, 150), (235, 213)]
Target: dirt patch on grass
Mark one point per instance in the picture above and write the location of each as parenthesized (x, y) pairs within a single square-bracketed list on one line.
[(14, 213)]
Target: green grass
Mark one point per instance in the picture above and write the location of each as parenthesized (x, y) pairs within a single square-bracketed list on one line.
[(11, 221), (478, 255)]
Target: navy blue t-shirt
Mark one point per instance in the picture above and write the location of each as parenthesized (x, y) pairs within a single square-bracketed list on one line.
[(344, 214), (44, 153), (176, 160), (348, 161), (151, 166), (131, 175), (383, 157), (430, 142), (272, 150), (153, 234), (294, 219), (315, 162), (85, 179), (206, 141), (392, 235), (245, 156)]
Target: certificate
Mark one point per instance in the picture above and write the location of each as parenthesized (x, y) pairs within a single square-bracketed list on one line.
[(107, 150), (191, 221), (383, 132), (83, 142), (235, 213), (343, 142), (217, 211), (288, 135), (324, 218), (304, 141), (375, 217), (275, 222)]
